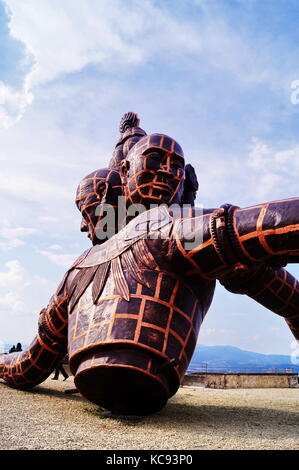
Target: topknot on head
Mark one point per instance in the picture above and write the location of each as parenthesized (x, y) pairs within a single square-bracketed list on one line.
[(128, 121)]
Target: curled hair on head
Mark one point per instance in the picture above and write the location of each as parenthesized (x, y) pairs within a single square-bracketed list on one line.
[(128, 121), (131, 133)]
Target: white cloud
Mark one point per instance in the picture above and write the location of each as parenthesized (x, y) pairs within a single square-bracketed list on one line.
[(205, 332), (254, 338), (64, 260), (21, 293), (64, 37), (14, 275), (48, 219), (273, 169), (266, 184), (28, 186), (13, 236), (12, 282), (11, 302), (41, 166), (73, 34), (259, 155), (274, 329), (13, 104), (55, 247)]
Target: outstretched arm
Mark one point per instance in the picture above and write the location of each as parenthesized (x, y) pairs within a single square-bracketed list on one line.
[(231, 242), (230, 238), (266, 231), (275, 289), (30, 367)]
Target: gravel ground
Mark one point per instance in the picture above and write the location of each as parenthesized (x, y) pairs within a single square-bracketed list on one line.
[(195, 418)]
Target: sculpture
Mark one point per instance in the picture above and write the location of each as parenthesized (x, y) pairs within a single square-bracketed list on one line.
[(129, 310)]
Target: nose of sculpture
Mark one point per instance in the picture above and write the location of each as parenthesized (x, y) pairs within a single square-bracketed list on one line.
[(84, 226)]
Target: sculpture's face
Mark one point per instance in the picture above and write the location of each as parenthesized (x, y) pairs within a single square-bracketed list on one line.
[(156, 171), (98, 188)]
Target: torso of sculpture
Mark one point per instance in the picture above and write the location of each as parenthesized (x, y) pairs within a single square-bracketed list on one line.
[(129, 310)]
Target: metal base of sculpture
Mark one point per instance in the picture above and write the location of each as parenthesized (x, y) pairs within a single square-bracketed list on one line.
[(142, 391)]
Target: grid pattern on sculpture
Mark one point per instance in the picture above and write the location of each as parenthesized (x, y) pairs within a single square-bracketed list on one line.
[(158, 325), (255, 241), (203, 260), (154, 141), (87, 193), (40, 358), (259, 241), (284, 288), (88, 186)]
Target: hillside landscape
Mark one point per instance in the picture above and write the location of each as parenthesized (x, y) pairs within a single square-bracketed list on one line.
[(226, 358)]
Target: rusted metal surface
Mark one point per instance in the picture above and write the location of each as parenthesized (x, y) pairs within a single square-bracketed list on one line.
[(128, 312)]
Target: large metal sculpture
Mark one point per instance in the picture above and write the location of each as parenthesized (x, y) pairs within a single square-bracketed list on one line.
[(129, 310)]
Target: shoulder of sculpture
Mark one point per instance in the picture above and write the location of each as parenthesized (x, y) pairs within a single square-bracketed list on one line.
[(153, 220), (134, 131), (81, 258), (157, 219), (77, 261)]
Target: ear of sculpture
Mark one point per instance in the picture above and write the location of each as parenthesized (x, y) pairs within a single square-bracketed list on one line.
[(124, 170), (102, 190)]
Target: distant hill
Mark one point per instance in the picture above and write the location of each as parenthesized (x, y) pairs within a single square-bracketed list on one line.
[(230, 357), (225, 358)]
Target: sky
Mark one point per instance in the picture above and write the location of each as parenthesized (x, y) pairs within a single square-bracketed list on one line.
[(220, 77)]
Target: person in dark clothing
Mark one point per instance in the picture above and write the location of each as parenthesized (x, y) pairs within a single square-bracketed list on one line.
[(18, 347), (60, 369)]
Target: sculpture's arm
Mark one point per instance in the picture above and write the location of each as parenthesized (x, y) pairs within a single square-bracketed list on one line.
[(32, 366), (268, 231), (232, 241), (237, 239), (275, 289)]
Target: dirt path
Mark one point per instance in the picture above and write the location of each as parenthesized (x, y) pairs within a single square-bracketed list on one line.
[(46, 418)]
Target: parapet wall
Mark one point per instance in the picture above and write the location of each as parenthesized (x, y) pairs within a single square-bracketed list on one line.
[(220, 380)]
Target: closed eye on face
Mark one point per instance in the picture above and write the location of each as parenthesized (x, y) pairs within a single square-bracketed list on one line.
[(177, 163), (155, 156), (160, 154)]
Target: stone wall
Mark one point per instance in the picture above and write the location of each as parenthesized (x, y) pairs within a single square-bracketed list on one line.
[(220, 380)]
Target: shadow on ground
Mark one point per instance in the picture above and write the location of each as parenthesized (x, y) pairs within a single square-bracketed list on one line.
[(270, 423), (218, 419), (43, 390)]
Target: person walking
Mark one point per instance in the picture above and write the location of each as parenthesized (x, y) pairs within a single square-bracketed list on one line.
[(60, 369)]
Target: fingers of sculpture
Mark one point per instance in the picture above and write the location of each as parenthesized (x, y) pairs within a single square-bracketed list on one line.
[(156, 172)]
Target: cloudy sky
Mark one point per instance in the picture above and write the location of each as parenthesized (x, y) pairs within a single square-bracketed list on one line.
[(221, 77)]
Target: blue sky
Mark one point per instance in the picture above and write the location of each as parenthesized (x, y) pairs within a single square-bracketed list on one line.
[(215, 75)]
